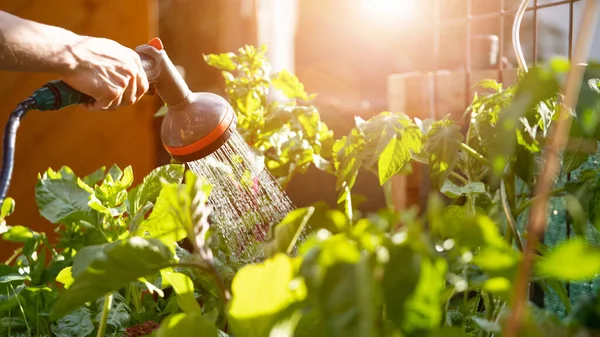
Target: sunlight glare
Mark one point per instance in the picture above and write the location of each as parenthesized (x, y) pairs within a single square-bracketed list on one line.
[(382, 9)]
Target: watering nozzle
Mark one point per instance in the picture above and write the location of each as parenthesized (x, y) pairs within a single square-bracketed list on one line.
[(196, 124)]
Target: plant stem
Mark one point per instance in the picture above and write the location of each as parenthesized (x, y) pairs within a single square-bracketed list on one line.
[(474, 154), (459, 177), (509, 217), (537, 216), (14, 256), (522, 207), (388, 192), (104, 317)]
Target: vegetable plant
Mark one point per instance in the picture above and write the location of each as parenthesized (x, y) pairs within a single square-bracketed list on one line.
[(119, 266)]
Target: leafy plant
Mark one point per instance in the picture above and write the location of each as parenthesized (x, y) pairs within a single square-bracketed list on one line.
[(119, 266), (289, 134)]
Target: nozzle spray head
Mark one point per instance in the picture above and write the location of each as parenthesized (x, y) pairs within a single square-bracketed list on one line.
[(196, 124)]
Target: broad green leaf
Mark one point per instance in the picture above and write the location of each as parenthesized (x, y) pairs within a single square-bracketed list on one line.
[(19, 234), (284, 235), (58, 200), (222, 61), (400, 279), (260, 293), (150, 187), (184, 288), (341, 285), (95, 177), (454, 191), (480, 231), (8, 207), (348, 158), (65, 277), (101, 269), (75, 324), (558, 263), (442, 146), (577, 152), (392, 159), (560, 290), (290, 85), (164, 222), (422, 308), (8, 282), (187, 325)]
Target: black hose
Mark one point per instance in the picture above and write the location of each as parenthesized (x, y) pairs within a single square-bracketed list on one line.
[(8, 149)]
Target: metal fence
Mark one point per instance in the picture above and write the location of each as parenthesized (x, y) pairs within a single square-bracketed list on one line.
[(487, 28)]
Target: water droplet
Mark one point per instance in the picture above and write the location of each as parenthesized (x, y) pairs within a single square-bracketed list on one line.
[(246, 199)]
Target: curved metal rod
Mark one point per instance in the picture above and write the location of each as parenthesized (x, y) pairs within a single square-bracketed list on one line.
[(8, 150), (516, 40)]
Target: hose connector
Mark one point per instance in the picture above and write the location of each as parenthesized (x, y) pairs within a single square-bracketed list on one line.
[(56, 95)]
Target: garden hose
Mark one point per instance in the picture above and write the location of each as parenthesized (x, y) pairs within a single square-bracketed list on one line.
[(55, 95)]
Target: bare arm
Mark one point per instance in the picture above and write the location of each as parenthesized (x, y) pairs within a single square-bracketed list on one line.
[(101, 68)]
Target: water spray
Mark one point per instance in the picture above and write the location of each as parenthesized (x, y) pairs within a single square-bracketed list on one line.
[(196, 124)]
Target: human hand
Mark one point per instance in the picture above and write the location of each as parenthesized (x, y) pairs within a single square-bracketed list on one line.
[(106, 71)]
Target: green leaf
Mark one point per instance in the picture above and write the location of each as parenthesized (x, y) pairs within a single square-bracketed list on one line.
[(163, 223), (422, 310), (284, 235), (187, 325), (8, 207), (101, 269), (558, 263), (58, 200), (8, 282), (486, 326), (560, 290), (442, 146), (341, 285), (577, 151), (537, 85), (290, 85), (399, 284), (454, 191), (392, 159), (162, 111), (184, 288), (65, 277), (19, 234), (222, 61), (150, 187), (260, 293), (77, 323), (95, 177)]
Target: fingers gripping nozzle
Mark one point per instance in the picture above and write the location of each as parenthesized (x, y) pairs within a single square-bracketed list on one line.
[(162, 74)]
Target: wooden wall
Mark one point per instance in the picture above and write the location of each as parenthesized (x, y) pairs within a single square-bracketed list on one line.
[(73, 136)]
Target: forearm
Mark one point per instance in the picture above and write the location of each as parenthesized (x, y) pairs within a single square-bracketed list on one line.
[(30, 46)]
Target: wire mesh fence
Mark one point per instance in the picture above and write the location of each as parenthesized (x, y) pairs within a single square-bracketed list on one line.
[(478, 34)]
